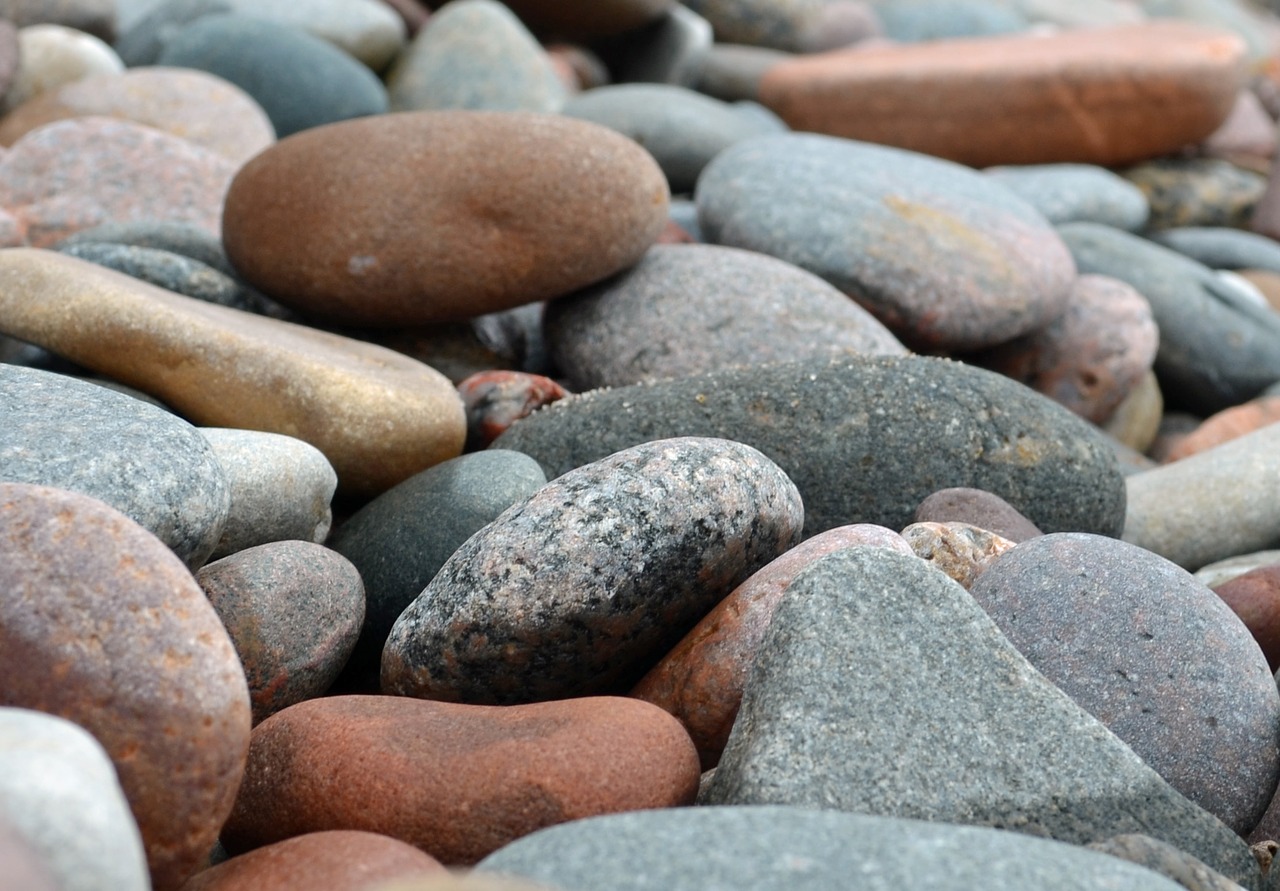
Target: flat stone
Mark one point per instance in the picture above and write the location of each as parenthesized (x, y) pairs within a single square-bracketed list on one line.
[(961, 551), (54, 55), (798, 26), (1254, 596), (1226, 425), (183, 239), (1076, 193), (96, 17), (1222, 248), (104, 626), (1197, 192), (366, 29), (977, 508), (378, 417), (946, 258)]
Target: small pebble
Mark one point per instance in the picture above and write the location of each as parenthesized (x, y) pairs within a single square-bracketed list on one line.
[(54, 55)]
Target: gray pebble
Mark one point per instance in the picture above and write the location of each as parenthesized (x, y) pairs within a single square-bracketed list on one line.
[(1076, 193), (1222, 248)]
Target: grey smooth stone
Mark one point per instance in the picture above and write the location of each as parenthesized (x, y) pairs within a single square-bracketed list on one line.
[(58, 789), (1222, 571), (1217, 348), (797, 849), (1076, 193), (882, 687), (732, 72), (145, 40), (150, 465), (1222, 248), (912, 21), (369, 30), (793, 25), (865, 440), (671, 50), (684, 213), (176, 238)]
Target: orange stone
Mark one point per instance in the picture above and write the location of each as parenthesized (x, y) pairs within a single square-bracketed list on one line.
[(1225, 426)]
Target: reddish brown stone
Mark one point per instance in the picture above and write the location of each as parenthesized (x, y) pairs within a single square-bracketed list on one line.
[(1225, 426), (1255, 598), (497, 399), (101, 624), (1107, 97), (457, 781), (977, 507)]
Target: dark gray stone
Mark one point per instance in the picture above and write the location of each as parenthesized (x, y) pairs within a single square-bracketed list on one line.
[(865, 440), (796, 849), (143, 43), (164, 235), (882, 687), (1197, 192), (583, 587), (1076, 193), (732, 72), (670, 50), (912, 21), (1222, 248)]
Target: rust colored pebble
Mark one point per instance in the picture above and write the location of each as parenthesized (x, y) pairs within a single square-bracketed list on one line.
[(976, 507), (497, 399), (1106, 97), (457, 781), (338, 860), (1255, 598), (1226, 425)]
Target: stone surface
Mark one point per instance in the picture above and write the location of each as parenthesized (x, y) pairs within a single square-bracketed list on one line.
[(1226, 425), (1152, 654), (1165, 859), (584, 20), (522, 207), (1247, 135), (961, 551), (142, 41), (497, 399), (946, 258), (1254, 596), (801, 26), (10, 57), (669, 50), (96, 17), (53, 55), (1105, 97), (913, 21), (1136, 421), (457, 781), (1214, 574), (366, 29), (1197, 192), (865, 440), (977, 508), (1076, 193), (23, 869), (1222, 248), (175, 238), (102, 625), (377, 416), (732, 72)]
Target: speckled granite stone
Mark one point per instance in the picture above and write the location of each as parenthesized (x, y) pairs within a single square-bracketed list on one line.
[(174, 237), (1197, 192)]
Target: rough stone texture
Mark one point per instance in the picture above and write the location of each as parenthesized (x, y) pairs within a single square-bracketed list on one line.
[(1165, 859), (149, 465), (96, 17), (946, 258), (1226, 425), (457, 781), (70, 175), (1152, 654), (700, 681), (1076, 193), (1222, 248), (1136, 421), (1254, 596), (377, 416), (175, 238), (584, 586), (1214, 574), (1105, 97), (400, 540), (801, 26), (994, 743), (1197, 192), (785, 848), (366, 29), (53, 55), (497, 399), (142, 42), (688, 309), (24, 870), (102, 625), (59, 793), (520, 208), (583, 20), (977, 508), (960, 550), (865, 440)]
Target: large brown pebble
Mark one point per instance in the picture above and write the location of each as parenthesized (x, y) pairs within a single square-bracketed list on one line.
[(457, 781), (976, 507), (1255, 598), (1226, 425), (434, 216), (101, 624)]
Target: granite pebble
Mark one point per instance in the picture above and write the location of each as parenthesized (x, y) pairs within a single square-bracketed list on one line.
[(1197, 192)]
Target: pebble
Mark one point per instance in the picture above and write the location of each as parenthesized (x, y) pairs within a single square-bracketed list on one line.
[(960, 550), (369, 30), (1254, 596), (1219, 247), (1077, 193), (1136, 421), (976, 508), (1226, 425), (1219, 572), (141, 42), (96, 17), (670, 50), (1247, 136), (1165, 859), (183, 239), (497, 399), (1198, 192), (914, 21), (23, 869), (799, 26), (586, 20), (10, 58), (51, 56), (732, 72)]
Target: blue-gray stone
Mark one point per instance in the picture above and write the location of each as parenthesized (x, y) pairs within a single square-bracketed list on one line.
[(1221, 247), (911, 21), (1076, 193), (143, 43), (684, 213)]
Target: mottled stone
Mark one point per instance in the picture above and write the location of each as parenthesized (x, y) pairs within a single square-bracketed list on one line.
[(1254, 596), (960, 550), (700, 681), (801, 26), (366, 29), (1226, 425), (497, 399), (457, 781), (96, 17), (142, 42), (1197, 192), (1222, 248), (1165, 859), (1136, 421), (1152, 654), (1076, 193), (102, 625), (51, 56), (521, 207), (977, 508), (582, 587), (175, 238), (377, 416)]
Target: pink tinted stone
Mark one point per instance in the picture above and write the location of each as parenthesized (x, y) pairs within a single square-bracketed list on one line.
[(497, 399)]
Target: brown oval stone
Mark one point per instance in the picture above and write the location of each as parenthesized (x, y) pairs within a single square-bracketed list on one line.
[(101, 624), (457, 781), (434, 216), (977, 507), (1226, 425), (1106, 97), (1255, 598)]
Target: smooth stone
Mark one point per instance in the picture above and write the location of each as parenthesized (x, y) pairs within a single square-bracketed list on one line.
[(96, 17), (946, 258), (24, 870), (670, 50), (175, 238), (293, 610), (281, 488), (1136, 421), (799, 26), (995, 743), (1165, 859), (1152, 654), (457, 781), (59, 793), (10, 57), (689, 309), (151, 466), (1226, 425), (1248, 134), (1197, 192), (921, 424), (1254, 596), (475, 54), (976, 508), (1210, 506), (1135, 92), (299, 80), (1219, 572), (1227, 15), (700, 681), (586, 20), (960, 550), (399, 541), (460, 880), (1221, 247), (1076, 193), (142, 42), (732, 72), (73, 174), (53, 55), (377, 416), (497, 399), (913, 21), (102, 625), (1174, 425), (366, 29)]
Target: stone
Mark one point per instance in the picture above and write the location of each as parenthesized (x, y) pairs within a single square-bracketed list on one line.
[(1219, 572), (946, 258), (23, 869), (103, 625), (1226, 15), (587, 20), (913, 21), (700, 681), (961, 551), (175, 238), (281, 488), (994, 743), (457, 781), (1108, 97), (1136, 421), (522, 207), (865, 440), (1152, 654), (1254, 596), (798, 26), (460, 880), (1076, 193), (54, 55), (142, 42), (1221, 248), (497, 399), (475, 54), (96, 17), (976, 508), (1248, 133), (1226, 425), (685, 310), (1197, 192), (149, 465), (670, 50), (377, 416), (366, 29), (1165, 859), (60, 795), (732, 72), (299, 80)]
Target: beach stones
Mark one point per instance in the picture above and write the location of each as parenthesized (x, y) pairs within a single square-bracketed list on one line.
[(368, 29), (1076, 193), (497, 399), (800, 26), (53, 55), (1106, 97), (102, 625), (1198, 192), (977, 508), (521, 208), (1222, 248), (582, 587), (457, 781), (1226, 425), (945, 257), (960, 550)]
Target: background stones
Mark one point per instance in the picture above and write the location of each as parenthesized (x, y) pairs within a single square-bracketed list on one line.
[(1076, 193), (53, 55)]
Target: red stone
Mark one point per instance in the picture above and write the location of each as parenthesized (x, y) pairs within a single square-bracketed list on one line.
[(497, 399), (1225, 426), (1255, 598)]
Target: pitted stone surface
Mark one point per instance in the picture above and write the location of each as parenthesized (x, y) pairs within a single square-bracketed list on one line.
[(961, 551)]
